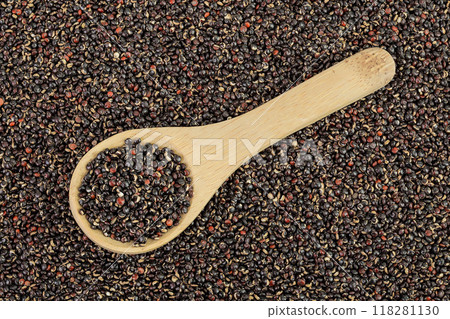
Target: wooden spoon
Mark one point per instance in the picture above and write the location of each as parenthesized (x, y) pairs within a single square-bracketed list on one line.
[(323, 94)]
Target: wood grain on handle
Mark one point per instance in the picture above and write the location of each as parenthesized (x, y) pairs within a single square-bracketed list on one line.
[(314, 99)]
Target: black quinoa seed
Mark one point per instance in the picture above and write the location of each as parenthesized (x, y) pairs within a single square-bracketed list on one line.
[(135, 193), (372, 223)]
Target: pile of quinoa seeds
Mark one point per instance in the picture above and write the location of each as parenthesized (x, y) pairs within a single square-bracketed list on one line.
[(135, 192), (368, 222)]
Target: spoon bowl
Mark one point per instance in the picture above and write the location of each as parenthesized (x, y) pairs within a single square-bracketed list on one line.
[(213, 152)]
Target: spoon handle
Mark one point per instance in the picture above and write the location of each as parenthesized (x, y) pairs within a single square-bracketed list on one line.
[(314, 99)]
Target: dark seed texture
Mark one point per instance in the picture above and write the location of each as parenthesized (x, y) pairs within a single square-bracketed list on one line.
[(372, 223), (136, 193)]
